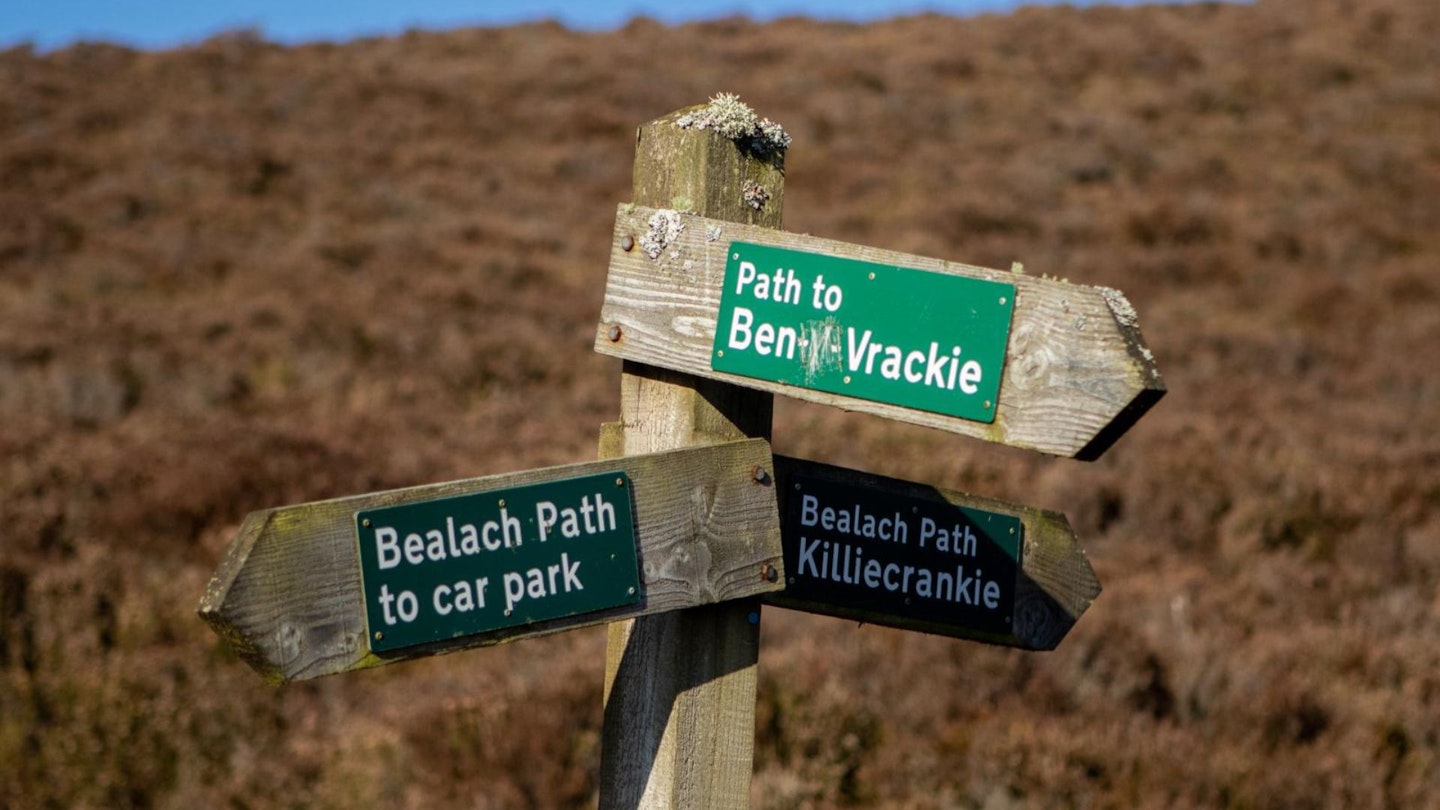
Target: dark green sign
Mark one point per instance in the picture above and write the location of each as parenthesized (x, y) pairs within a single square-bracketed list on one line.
[(922, 340), (439, 569), (891, 557)]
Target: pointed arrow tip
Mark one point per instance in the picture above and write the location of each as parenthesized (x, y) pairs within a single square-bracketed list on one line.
[(1138, 406), (215, 607)]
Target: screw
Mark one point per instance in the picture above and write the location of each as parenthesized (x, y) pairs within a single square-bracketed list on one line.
[(614, 332), (768, 573), (502, 503), (619, 482), (759, 474), (631, 592), (627, 243), (379, 635), (365, 523)]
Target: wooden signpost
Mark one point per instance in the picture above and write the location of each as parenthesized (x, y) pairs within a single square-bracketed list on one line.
[(687, 522), (1073, 373), (297, 597)]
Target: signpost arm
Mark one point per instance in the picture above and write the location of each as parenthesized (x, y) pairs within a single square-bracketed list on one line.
[(680, 687)]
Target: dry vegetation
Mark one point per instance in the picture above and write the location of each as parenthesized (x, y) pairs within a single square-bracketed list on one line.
[(239, 275)]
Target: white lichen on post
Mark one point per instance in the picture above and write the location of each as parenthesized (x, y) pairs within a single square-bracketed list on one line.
[(755, 195), (1124, 313), (728, 116), (665, 227)]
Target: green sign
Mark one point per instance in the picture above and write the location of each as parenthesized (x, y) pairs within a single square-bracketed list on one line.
[(929, 341), (440, 569)]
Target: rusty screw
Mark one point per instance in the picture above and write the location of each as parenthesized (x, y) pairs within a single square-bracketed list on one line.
[(627, 243), (759, 474), (768, 573), (614, 332)]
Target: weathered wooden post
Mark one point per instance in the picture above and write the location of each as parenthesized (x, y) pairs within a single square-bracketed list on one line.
[(680, 687), (688, 521), (703, 285)]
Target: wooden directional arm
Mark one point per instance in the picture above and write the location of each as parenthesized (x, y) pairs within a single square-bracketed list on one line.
[(288, 597), (1077, 371)]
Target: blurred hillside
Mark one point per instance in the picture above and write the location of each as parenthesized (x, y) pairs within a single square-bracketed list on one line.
[(239, 275)]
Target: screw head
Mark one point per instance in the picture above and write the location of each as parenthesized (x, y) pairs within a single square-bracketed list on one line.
[(627, 243), (768, 573), (614, 332), (759, 474)]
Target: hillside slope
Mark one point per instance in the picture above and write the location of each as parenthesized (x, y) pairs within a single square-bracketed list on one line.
[(240, 275)]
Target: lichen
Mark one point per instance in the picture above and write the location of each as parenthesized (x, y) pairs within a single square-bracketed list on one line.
[(728, 116), (665, 227), (1124, 313), (755, 195)]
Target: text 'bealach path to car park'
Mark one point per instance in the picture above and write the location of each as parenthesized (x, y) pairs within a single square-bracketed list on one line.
[(688, 519)]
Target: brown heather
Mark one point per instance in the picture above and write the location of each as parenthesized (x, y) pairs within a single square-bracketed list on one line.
[(240, 275)]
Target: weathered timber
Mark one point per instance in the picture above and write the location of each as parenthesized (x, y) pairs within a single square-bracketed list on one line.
[(1053, 583), (680, 688), (288, 596), (1077, 372)]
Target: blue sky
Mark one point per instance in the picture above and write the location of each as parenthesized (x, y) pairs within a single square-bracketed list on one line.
[(49, 24)]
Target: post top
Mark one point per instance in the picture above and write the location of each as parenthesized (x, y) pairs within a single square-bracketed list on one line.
[(729, 117)]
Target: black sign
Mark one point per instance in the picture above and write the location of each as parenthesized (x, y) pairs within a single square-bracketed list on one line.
[(899, 558)]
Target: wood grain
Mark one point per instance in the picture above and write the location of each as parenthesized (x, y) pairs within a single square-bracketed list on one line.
[(288, 597), (680, 688), (1077, 371)]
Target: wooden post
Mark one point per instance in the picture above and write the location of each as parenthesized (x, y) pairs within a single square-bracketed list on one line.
[(680, 687)]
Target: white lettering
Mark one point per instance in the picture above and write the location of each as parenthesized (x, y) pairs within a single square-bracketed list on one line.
[(745, 276), (387, 547), (740, 323), (970, 376)]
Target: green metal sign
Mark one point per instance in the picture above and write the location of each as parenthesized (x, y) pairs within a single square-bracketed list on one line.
[(439, 569), (923, 340)]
